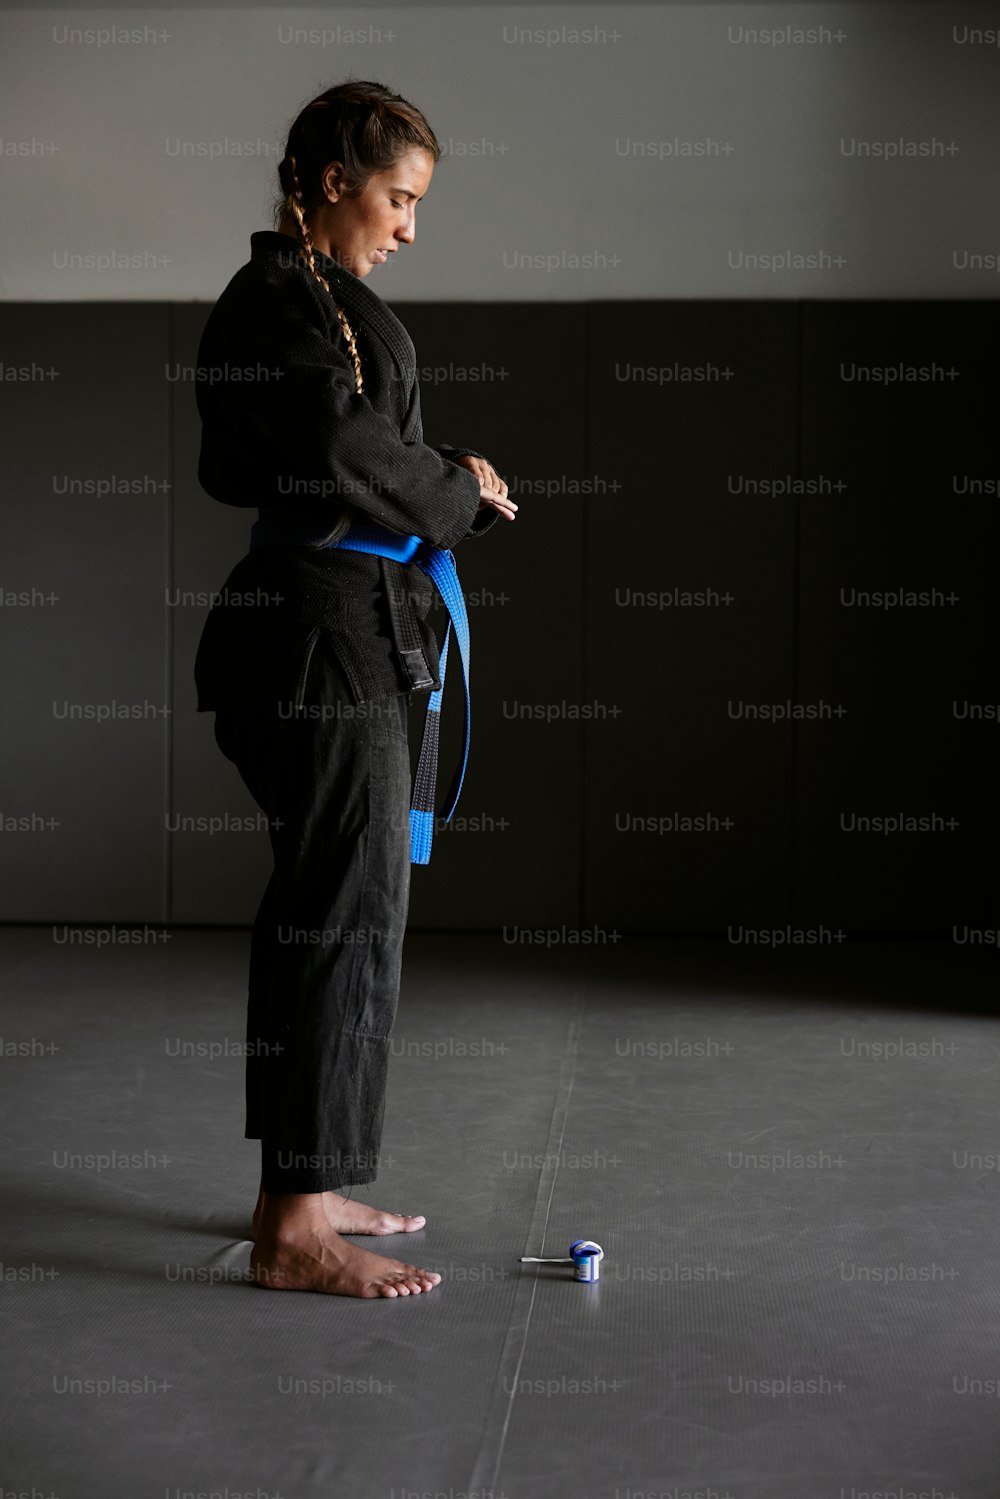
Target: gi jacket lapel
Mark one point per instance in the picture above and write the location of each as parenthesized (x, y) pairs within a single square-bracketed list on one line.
[(396, 360), (389, 361)]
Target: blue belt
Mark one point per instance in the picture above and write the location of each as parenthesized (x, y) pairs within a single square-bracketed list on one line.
[(439, 565)]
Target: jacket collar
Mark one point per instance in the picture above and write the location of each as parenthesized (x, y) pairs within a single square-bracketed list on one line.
[(349, 290)]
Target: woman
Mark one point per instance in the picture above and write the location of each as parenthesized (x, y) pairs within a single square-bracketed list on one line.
[(310, 413)]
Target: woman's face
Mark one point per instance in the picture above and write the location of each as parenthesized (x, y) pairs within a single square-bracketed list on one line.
[(363, 232)]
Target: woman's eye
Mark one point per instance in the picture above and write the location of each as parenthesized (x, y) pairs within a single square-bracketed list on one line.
[(394, 203)]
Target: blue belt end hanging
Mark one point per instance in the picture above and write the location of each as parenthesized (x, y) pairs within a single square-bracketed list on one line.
[(421, 835)]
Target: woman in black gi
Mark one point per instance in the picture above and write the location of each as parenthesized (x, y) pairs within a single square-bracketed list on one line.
[(310, 412)]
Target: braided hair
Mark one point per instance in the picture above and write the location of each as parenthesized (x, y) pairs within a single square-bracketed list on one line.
[(367, 127)]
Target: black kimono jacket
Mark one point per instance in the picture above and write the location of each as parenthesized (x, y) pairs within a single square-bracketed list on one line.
[(285, 432)]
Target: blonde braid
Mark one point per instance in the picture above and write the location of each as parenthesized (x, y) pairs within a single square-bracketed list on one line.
[(308, 252)]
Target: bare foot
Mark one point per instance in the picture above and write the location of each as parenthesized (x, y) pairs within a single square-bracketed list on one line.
[(315, 1258), (348, 1217)]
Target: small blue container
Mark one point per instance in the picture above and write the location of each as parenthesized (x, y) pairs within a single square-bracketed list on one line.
[(586, 1257)]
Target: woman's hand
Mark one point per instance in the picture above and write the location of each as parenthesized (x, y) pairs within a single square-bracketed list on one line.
[(493, 490)]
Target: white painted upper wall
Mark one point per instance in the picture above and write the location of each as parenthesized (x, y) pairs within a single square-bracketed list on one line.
[(594, 151)]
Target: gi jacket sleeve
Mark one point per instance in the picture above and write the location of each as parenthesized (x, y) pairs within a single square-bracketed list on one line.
[(306, 432), (483, 519)]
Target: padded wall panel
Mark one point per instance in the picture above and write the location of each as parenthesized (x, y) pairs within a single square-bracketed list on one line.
[(83, 538), (897, 803), (131, 560), (512, 858), (690, 584)]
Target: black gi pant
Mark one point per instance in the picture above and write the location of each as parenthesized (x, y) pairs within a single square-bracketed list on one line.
[(333, 777)]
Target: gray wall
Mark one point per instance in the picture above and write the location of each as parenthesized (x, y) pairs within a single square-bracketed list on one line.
[(156, 156), (628, 487)]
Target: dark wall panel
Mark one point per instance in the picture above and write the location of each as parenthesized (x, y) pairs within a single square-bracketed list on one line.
[(678, 433), (514, 855), (630, 489), (900, 408), (83, 537)]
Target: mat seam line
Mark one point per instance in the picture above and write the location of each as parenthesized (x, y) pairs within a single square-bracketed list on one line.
[(548, 1176)]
